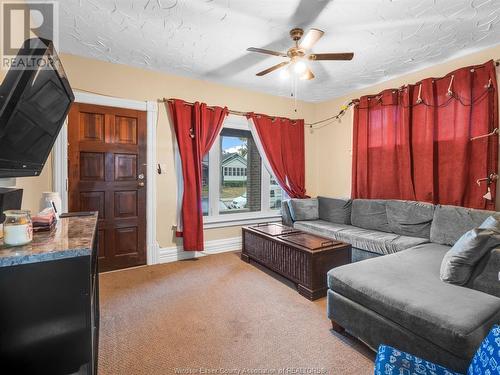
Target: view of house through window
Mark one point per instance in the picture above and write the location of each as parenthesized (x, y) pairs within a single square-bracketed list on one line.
[(275, 195), (240, 166), (234, 179)]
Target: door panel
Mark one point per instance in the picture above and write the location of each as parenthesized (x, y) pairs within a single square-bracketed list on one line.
[(125, 167), (125, 130), (126, 241), (101, 245), (93, 201), (92, 166), (91, 127), (107, 173), (125, 203)]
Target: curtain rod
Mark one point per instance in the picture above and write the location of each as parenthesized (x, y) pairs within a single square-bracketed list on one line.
[(231, 111), (238, 113), (244, 114)]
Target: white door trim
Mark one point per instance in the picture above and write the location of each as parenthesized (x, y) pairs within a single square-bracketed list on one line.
[(60, 160)]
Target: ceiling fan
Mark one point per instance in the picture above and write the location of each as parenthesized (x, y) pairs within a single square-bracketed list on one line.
[(298, 54)]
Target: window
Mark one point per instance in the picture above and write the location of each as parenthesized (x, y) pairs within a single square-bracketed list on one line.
[(239, 186), (239, 193), (275, 195), (204, 185)]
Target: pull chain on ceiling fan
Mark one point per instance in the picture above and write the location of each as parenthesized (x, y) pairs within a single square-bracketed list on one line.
[(298, 53)]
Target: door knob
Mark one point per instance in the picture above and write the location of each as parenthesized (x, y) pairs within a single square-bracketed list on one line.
[(140, 177), (141, 184)]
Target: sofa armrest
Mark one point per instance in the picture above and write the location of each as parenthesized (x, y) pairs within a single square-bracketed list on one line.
[(286, 215), (485, 277)]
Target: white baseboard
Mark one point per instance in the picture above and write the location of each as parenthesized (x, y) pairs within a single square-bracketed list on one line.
[(174, 253)]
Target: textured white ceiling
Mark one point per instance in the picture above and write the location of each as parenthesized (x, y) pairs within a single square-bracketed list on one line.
[(207, 39)]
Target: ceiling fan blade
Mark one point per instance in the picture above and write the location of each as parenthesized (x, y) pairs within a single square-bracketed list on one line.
[(311, 38), (245, 61), (308, 75), (331, 56), (307, 12), (273, 68), (266, 51)]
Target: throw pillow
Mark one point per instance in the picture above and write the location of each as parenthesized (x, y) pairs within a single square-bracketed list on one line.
[(458, 263), (304, 209)]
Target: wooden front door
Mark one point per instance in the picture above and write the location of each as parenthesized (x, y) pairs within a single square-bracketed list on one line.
[(107, 173)]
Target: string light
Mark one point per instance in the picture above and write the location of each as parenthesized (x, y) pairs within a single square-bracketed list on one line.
[(330, 120)]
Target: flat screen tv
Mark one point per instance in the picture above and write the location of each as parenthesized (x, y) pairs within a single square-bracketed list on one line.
[(35, 98)]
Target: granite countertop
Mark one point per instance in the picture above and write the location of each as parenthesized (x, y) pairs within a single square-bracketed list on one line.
[(72, 237)]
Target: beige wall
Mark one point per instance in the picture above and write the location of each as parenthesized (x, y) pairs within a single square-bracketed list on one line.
[(139, 84), (329, 163), (328, 150)]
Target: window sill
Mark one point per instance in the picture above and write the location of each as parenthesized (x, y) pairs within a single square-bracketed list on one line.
[(232, 220)]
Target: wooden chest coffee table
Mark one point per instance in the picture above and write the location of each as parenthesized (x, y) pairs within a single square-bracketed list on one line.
[(301, 257)]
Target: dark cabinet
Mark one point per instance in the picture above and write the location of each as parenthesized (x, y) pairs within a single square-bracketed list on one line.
[(49, 310)]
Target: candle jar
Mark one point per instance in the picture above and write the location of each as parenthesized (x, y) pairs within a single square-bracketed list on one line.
[(17, 228)]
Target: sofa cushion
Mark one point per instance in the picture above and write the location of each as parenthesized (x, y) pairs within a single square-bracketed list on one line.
[(458, 263), (451, 222), (321, 227), (335, 210), (304, 209), (409, 218), (485, 275), (370, 214), (364, 239), (405, 288)]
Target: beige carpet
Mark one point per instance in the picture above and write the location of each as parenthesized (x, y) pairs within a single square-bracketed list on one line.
[(217, 314)]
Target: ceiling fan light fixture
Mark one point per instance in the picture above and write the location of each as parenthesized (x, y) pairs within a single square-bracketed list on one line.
[(299, 67), (299, 54), (307, 75), (284, 74)]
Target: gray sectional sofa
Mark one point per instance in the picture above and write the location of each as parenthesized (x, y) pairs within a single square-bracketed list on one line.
[(399, 299)]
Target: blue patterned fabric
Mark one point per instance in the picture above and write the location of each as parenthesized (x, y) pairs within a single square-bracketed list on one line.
[(486, 361), (391, 361)]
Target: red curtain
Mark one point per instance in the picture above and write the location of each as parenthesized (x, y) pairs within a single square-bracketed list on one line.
[(382, 151), (283, 143), (196, 128), (415, 142)]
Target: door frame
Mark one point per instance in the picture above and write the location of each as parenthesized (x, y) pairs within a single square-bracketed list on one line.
[(60, 160)]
